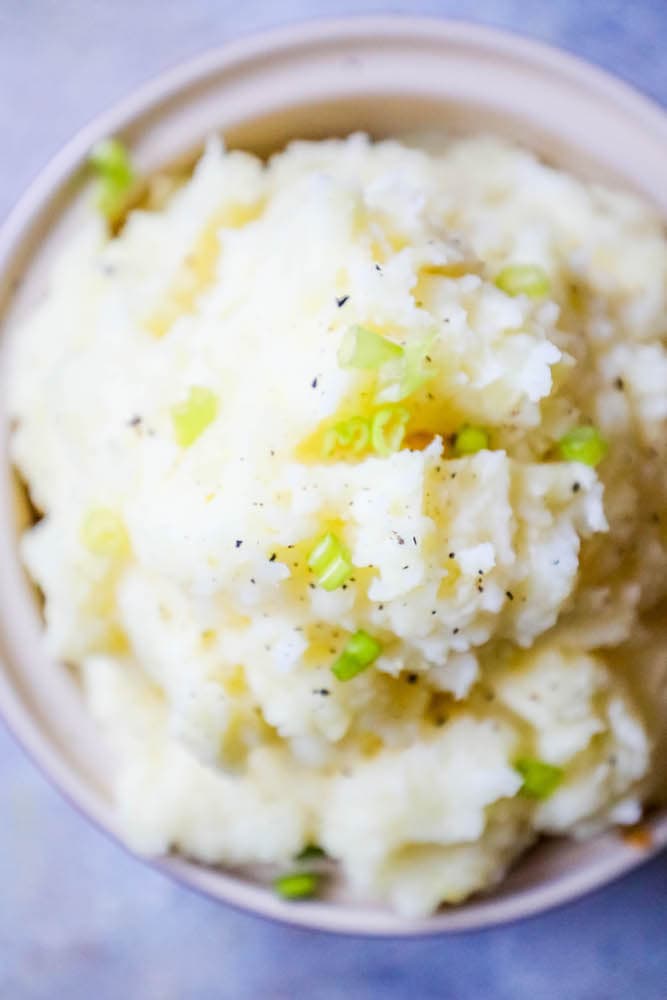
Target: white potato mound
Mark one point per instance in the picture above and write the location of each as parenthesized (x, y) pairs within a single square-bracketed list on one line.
[(172, 397)]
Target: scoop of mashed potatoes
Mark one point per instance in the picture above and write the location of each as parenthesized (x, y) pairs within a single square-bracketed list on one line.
[(352, 468)]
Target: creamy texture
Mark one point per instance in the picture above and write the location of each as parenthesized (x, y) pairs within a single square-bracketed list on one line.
[(517, 597)]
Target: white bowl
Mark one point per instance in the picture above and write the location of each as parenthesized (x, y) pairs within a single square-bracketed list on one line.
[(384, 75)]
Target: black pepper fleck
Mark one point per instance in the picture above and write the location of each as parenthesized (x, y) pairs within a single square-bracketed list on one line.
[(509, 595), (238, 543), (313, 384), (273, 557), (412, 678), (576, 487), (342, 300)]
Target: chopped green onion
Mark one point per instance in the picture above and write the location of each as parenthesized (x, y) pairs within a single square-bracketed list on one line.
[(104, 533), (470, 440), (360, 651), (353, 434), (540, 780), (111, 162), (191, 417), (583, 444), (361, 348), (415, 365), (385, 430), (330, 441), (311, 852), (297, 885), (385, 441), (524, 279), (330, 562)]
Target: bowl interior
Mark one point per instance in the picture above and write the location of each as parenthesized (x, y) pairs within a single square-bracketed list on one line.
[(390, 77)]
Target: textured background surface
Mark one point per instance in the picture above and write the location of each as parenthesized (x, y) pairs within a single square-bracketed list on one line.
[(78, 918)]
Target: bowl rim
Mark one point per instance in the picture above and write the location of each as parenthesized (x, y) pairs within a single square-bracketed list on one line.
[(44, 190)]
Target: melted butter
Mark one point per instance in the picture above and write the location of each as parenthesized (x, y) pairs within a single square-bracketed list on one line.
[(448, 583), (382, 238), (360, 403), (198, 269), (301, 579), (418, 440), (370, 744), (430, 416), (452, 269), (100, 602), (325, 643), (234, 682), (114, 642)]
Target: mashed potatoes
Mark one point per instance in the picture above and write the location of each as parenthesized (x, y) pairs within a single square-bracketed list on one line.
[(334, 350)]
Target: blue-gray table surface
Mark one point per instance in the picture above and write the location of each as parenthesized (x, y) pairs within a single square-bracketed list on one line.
[(78, 917)]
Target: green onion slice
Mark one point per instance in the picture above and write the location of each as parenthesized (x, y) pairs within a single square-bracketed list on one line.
[(540, 780), (104, 533), (330, 562), (416, 365), (297, 885), (360, 651), (191, 417), (524, 279), (470, 440), (361, 348), (116, 175), (352, 434), (388, 429), (583, 444)]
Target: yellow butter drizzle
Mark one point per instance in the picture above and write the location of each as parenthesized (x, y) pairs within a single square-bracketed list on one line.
[(197, 272)]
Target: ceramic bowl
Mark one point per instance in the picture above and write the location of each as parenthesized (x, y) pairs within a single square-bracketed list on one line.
[(387, 76)]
